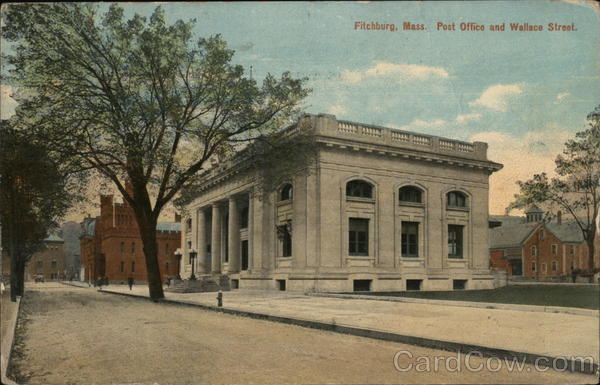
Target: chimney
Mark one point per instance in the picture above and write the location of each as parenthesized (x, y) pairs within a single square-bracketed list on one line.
[(559, 217), (177, 217)]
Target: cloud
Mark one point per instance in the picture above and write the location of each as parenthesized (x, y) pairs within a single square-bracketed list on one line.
[(440, 126), (338, 109), (351, 76), (7, 103), (464, 118), (531, 153), (419, 124), (562, 95), (496, 97), (396, 71)]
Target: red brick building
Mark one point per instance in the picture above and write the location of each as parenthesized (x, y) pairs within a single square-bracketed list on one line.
[(532, 248), (111, 245), (49, 263)]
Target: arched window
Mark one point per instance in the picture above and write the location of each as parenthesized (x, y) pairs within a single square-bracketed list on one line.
[(411, 194), (359, 189), (457, 199), (286, 192)]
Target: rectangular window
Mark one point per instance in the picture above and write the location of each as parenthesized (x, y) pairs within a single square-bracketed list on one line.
[(543, 268), (53, 264), (133, 267), (534, 251), (410, 239), (554, 249), (554, 266), (455, 241), (132, 247), (281, 284), (413, 284), (122, 247), (572, 249), (358, 236), (361, 285), (533, 267), (122, 266), (285, 239)]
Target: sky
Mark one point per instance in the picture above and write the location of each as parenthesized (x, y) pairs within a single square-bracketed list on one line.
[(523, 92)]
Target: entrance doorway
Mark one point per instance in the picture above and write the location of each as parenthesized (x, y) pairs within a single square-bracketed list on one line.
[(516, 266), (244, 255)]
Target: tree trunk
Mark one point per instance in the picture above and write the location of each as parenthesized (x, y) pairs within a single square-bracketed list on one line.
[(20, 276), (591, 253), (148, 235), (14, 285)]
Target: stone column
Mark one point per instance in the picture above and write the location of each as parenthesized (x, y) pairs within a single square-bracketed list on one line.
[(194, 239), (216, 239), (250, 230), (233, 240), (202, 265), (258, 232)]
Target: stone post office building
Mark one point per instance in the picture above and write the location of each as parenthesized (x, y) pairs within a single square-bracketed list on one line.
[(381, 210)]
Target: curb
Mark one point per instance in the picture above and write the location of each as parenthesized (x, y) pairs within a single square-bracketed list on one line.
[(7, 345), (481, 305), (535, 359), (79, 286)]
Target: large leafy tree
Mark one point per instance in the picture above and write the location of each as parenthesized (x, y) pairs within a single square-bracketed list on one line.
[(576, 188), (34, 193), (138, 99)]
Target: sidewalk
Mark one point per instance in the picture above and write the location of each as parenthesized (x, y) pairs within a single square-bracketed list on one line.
[(545, 334), (8, 322)]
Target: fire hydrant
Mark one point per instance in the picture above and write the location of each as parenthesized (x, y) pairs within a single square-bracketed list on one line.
[(220, 299)]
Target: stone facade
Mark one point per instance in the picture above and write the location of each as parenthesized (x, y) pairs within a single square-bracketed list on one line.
[(111, 245), (381, 210)]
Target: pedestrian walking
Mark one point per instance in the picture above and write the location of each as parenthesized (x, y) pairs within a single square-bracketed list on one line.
[(168, 282), (130, 282)]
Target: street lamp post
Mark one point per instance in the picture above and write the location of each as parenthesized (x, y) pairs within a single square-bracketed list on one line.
[(178, 255), (193, 254)]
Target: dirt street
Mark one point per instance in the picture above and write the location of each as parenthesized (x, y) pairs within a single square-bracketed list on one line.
[(70, 335)]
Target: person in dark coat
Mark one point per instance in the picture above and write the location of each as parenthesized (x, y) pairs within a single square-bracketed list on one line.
[(130, 282)]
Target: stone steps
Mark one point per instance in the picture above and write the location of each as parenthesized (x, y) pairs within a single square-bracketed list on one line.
[(202, 284)]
